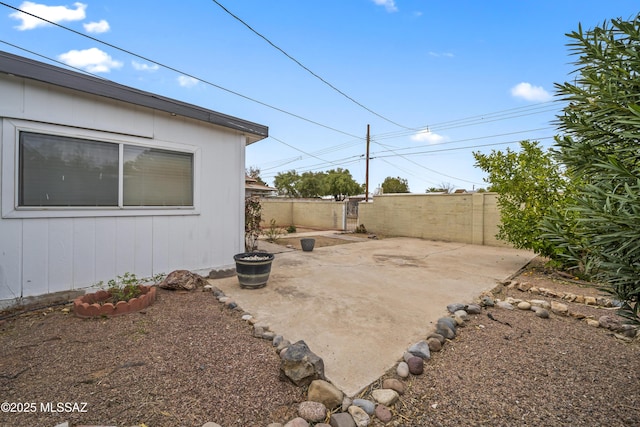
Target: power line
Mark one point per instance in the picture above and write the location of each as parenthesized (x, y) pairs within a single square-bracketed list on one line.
[(297, 149), (424, 167), (472, 138), (53, 60), (306, 68), (178, 71), (462, 148), (360, 157), (408, 172), (511, 113)]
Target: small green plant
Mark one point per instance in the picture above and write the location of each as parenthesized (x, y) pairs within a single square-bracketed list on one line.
[(361, 229), (274, 232), (291, 229), (127, 286), (252, 219)]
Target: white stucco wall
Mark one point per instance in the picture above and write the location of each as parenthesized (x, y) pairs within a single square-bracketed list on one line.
[(44, 251)]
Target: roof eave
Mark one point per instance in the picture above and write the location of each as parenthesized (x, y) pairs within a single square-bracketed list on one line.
[(39, 71)]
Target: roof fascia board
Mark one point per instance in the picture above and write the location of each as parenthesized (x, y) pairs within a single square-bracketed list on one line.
[(35, 70)]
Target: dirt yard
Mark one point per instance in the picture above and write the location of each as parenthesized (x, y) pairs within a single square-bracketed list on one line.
[(187, 360)]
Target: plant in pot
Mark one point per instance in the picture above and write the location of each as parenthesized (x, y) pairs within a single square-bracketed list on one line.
[(252, 267)]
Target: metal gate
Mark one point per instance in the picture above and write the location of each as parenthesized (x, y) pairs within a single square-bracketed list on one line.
[(351, 214)]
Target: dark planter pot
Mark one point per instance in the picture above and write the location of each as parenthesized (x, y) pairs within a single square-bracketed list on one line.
[(307, 244), (253, 269)]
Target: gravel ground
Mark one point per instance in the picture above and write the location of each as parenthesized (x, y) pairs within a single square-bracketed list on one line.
[(186, 361)]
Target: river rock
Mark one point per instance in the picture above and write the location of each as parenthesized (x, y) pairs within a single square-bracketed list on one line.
[(325, 393), (342, 419), (360, 417), (559, 308), (505, 305), (416, 365), (487, 301), (446, 327), (473, 309), (394, 384), (461, 314), (402, 370), (436, 336), (367, 405), (434, 345), (593, 323), (297, 422), (542, 313), (420, 349), (383, 413), (312, 411), (540, 303), (610, 322), (455, 307), (385, 396), (524, 305)]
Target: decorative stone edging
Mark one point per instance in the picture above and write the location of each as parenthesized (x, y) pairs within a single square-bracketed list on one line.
[(324, 398), (567, 296), (89, 305)]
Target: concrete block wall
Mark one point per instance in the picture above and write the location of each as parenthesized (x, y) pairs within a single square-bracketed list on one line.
[(322, 214), (466, 218)]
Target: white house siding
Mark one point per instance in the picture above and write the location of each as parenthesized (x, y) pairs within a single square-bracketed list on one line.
[(62, 252)]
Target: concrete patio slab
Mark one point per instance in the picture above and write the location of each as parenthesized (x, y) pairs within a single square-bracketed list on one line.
[(359, 306)]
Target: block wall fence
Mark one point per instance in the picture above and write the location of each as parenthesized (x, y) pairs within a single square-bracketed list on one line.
[(466, 218)]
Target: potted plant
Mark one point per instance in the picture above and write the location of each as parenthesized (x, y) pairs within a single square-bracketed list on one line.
[(252, 267)]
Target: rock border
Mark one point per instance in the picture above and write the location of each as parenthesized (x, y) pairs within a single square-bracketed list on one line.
[(327, 406), (88, 305)]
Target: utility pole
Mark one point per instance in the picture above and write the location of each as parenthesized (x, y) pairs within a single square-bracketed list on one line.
[(366, 182)]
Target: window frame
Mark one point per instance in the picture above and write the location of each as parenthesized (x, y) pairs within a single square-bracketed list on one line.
[(10, 134)]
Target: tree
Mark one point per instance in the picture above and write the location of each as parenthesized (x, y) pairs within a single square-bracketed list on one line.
[(312, 184), (254, 172), (395, 185), (340, 184), (286, 183), (531, 186), (445, 187), (600, 150)]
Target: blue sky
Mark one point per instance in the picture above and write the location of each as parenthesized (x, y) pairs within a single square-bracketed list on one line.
[(434, 80)]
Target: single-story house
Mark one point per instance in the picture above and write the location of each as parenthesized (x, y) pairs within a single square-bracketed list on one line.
[(98, 179), (253, 188)]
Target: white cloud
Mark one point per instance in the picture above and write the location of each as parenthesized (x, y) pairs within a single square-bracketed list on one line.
[(186, 81), (92, 60), (428, 137), (97, 27), (390, 5), (55, 14), (445, 54), (144, 67), (530, 93)]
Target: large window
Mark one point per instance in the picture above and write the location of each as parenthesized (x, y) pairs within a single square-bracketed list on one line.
[(59, 171)]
